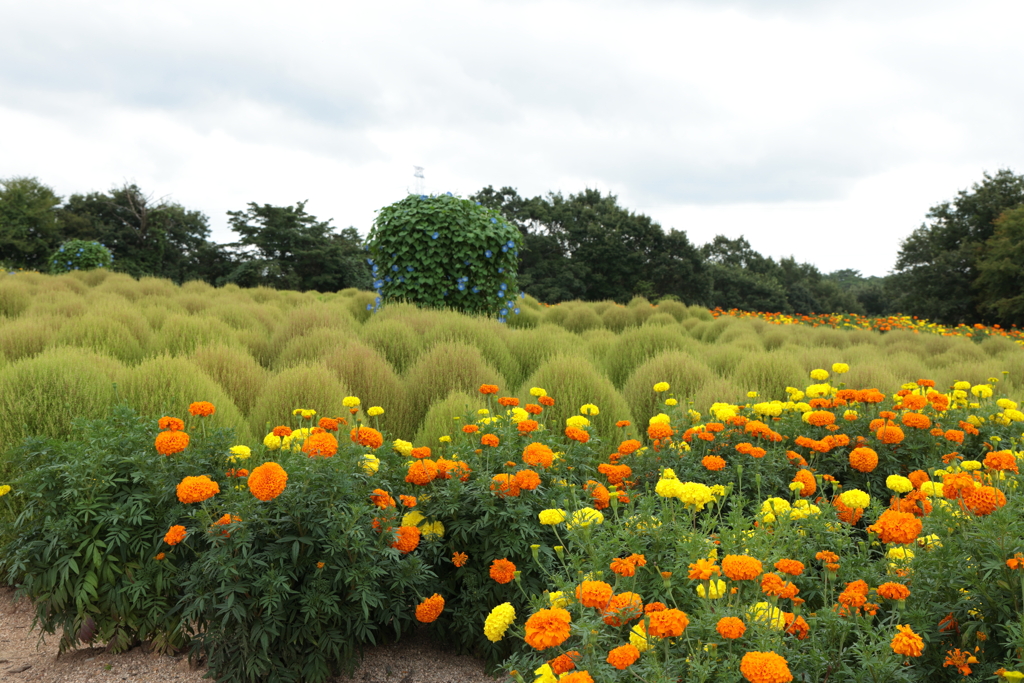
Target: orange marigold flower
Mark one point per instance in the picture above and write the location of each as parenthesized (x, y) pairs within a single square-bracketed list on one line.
[(889, 434), (407, 539), (623, 423), (171, 423), (470, 429), (421, 452), (713, 463), (323, 444), (548, 628), (538, 455), (505, 485), (175, 535), (527, 426), (660, 431), (731, 628), (791, 567), (628, 447), (703, 569), (984, 500), (820, 418), (958, 485), (197, 489), (328, 424), (578, 677), (954, 435), (667, 623), (488, 389), (407, 501), (1016, 562), (914, 402), (827, 556), (382, 499), (594, 594), (638, 560), (564, 662), (765, 667), (527, 480), (846, 513), (960, 659), (171, 442), (805, 477), (160, 556), (460, 559), (421, 472), (366, 436), (897, 527), (890, 590), (773, 585), (577, 434), (705, 436), (1001, 460), (616, 473), (623, 656), (918, 477), (654, 607), (489, 440), (916, 421), (906, 642), (267, 481), (623, 567), (546, 401), (282, 431), (202, 408), (623, 608), (599, 493), (533, 409), (797, 626), (741, 567), (503, 571), (508, 401), (430, 609), (863, 459), (225, 520)]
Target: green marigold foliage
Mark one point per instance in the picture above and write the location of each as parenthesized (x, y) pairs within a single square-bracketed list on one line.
[(80, 255), (441, 251)]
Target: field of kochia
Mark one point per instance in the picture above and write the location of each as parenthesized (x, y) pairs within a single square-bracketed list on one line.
[(66, 341)]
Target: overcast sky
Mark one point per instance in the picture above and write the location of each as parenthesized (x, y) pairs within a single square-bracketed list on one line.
[(819, 130)]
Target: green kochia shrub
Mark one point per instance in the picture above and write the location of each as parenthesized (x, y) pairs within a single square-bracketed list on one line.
[(445, 252)]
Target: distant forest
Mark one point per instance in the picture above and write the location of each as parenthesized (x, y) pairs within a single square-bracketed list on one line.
[(964, 264)]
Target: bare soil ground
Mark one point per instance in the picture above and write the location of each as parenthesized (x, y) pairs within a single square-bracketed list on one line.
[(23, 657)]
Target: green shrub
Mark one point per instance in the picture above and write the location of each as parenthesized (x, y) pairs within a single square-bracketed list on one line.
[(769, 373), (531, 348), (660, 320), (685, 374), (581, 319), (310, 347), (489, 336), (635, 347), (180, 335), (446, 417), (524, 320), (618, 318), (303, 386), (447, 367), (80, 255), (573, 381), (41, 396), (15, 295), (235, 371), (101, 334), (167, 385), (369, 376), (445, 252), (25, 337), (676, 309), (394, 340), (598, 343)]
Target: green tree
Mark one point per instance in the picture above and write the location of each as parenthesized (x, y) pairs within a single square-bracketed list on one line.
[(1000, 282), (286, 248), (585, 246), (146, 237), (29, 231), (937, 264)]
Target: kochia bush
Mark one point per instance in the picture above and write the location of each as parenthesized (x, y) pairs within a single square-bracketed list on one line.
[(441, 251)]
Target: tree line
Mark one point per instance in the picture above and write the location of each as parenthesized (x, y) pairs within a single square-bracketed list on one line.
[(962, 265)]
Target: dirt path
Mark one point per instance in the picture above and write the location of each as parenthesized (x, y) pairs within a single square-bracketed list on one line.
[(24, 658)]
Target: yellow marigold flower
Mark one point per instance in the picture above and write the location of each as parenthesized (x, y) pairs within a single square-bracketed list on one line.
[(775, 506), (240, 452), (693, 415), (982, 391), (962, 386), (5, 489), (668, 488), (899, 552), (751, 394), (519, 415), (819, 375), (695, 494), (374, 411), (444, 439), (551, 516), (660, 418), (1014, 415), (639, 639), (899, 484), (668, 473), (350, 401), (1006, 404), (402, 447), (855, 498), (589, 409), (670, 402), (715, 590), (538, 392), (661, 387), (840, 368), (723, 411), (498, 621), (768, 408), (585, 517), (370, 463), (577, 421), (766, 614), (559, 599), (306, 413)]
